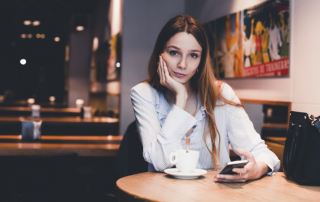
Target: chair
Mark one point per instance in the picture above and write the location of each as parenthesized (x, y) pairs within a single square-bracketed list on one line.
[(130, 154)]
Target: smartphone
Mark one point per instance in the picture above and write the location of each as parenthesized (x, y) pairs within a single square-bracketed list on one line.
[(227, 169)]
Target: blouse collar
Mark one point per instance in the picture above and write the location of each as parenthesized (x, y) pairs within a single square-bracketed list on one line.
[(163, 107)]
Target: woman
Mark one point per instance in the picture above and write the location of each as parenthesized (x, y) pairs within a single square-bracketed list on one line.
[(182, 98)]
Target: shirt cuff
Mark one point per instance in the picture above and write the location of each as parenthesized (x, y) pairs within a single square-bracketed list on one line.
[(265, 158), (176, 125)]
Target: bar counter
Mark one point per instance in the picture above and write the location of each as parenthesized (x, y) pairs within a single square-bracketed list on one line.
[(63, 125), (94, 146), (45, 111)]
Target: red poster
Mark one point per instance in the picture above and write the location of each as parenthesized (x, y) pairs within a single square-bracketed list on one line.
[(251, 43), (273, 68)]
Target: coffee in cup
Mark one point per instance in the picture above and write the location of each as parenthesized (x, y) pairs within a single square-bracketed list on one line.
[(185, 162)]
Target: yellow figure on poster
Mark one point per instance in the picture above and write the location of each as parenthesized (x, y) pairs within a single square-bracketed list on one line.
[(253, 44), (258, 41), (263, 33)]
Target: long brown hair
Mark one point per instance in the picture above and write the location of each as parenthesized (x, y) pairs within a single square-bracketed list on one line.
[(203, 82)]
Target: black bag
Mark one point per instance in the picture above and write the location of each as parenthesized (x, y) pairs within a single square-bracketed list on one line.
[(301, 157)]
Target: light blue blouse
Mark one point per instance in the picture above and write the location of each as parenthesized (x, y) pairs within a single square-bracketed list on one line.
[(162, 130)]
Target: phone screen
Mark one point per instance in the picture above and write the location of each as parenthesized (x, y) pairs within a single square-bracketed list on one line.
[(227, 169)]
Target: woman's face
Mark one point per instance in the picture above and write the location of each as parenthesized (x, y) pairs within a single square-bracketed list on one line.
[(182, 54)]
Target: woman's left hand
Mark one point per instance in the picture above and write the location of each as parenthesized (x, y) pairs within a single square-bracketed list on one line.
[(252, 170)]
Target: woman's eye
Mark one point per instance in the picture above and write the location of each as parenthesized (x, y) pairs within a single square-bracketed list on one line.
[(192, 55), (174, 53)]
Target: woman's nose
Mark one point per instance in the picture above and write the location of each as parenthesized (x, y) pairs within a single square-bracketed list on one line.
[(183, 63)]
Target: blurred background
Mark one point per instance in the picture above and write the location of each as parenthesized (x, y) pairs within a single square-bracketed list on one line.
[(58, 51)]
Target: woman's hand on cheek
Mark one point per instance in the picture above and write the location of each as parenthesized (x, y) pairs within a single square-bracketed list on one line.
[(252, 170), (166, 80), (177, 88)]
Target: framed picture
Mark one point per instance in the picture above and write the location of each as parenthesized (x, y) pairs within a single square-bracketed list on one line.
[(251, 43)]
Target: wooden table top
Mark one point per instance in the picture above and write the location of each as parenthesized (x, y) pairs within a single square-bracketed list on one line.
[(70, 119), (83, 145), (153, 186), (43, 109)]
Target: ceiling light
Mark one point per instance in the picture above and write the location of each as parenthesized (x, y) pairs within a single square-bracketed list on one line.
[(80, 28), (23, 61), (29, 36), (23, 36), (38, 35), (31, 101), (79, 103), (56, 39), (52, 98), (80, 22), (36, 23), (27, 22)]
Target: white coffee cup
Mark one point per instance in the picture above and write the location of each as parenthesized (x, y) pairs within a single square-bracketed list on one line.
[(185, 162)]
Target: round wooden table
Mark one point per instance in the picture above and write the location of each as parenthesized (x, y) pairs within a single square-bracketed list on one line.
[(153, 186)]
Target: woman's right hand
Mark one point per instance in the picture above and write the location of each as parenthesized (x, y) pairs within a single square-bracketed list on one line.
[(177, 88)]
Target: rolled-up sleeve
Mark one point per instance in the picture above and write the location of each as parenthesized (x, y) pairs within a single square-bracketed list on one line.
[(159, 141), (242, 134)]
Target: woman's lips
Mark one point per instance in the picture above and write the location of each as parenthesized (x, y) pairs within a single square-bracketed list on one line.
[(179, 75)]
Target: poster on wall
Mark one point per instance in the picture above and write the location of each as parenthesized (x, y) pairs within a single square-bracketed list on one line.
[(251, 43)]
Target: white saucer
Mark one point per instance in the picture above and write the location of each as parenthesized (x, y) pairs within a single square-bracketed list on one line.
[(184, 175)]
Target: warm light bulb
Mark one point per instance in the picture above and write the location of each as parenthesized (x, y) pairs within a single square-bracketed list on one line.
[(27, 22), (80, 28), (29, 36), (23, 61), (23, 36), (79, 103), (56, 39), (36, 23), (38, 35), (30, 100), (52, 98)]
